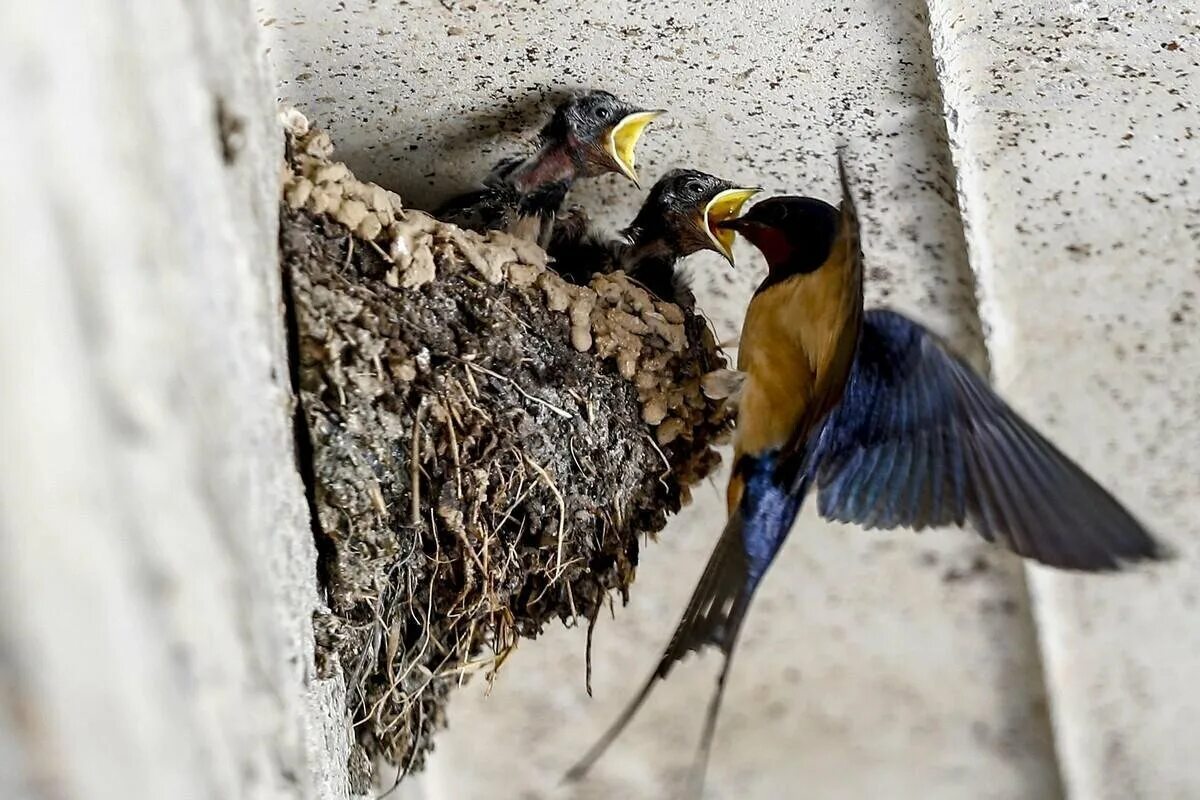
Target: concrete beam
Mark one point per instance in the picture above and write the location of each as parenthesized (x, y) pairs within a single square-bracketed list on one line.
[(1073, 128)]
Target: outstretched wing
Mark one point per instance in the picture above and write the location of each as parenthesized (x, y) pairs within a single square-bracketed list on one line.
[(920, 440)]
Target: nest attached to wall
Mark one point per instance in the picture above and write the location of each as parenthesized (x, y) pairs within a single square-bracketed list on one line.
[(485, 443)]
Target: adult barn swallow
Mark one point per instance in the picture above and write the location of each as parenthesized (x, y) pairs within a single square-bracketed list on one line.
[(588, 135), (681, 216), (890, 428)]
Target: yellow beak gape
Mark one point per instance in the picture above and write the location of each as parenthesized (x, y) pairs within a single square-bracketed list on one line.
[(726, 205), (623, 138)]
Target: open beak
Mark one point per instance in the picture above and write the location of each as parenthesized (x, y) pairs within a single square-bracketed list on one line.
[(623, 138), (720, 218)]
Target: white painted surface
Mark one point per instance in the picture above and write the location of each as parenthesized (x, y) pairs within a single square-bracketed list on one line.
[(158, 579), (1078, 139)]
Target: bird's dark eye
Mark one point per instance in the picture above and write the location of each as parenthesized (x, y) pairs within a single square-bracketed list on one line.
[(691, 186), (602, 113)]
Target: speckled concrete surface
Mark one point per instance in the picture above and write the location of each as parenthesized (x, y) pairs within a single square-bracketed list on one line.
[(1077, 134), (873, 665)]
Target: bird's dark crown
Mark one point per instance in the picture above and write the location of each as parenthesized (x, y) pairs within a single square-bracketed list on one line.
[(672, 208), (586, 117), (795, 234)]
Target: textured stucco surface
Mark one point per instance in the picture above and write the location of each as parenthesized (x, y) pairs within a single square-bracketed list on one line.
[(155, 633), (1077, 134), (158, 561), (872, 665)]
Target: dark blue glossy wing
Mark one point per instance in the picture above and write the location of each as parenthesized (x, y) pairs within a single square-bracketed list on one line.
[(920, 440)]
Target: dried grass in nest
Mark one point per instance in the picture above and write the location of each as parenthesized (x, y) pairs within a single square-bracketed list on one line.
[(488, 442)]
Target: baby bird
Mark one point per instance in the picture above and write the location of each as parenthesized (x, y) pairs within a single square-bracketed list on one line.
[(590, 134), (681, 216)]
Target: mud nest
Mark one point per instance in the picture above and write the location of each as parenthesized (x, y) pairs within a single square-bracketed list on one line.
[(486, 443)]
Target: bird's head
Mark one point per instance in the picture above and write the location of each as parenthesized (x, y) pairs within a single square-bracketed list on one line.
[(795, 234), (685, 209), (600, 132)]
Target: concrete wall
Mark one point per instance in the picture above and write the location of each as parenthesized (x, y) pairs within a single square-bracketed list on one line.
[(158, 569), (158, 579), (1040, 154)]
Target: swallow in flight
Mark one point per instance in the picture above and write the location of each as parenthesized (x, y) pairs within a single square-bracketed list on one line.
[(875, 415)]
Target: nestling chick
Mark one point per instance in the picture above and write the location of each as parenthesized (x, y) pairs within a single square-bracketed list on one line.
[(590, 134), (681, 216)]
